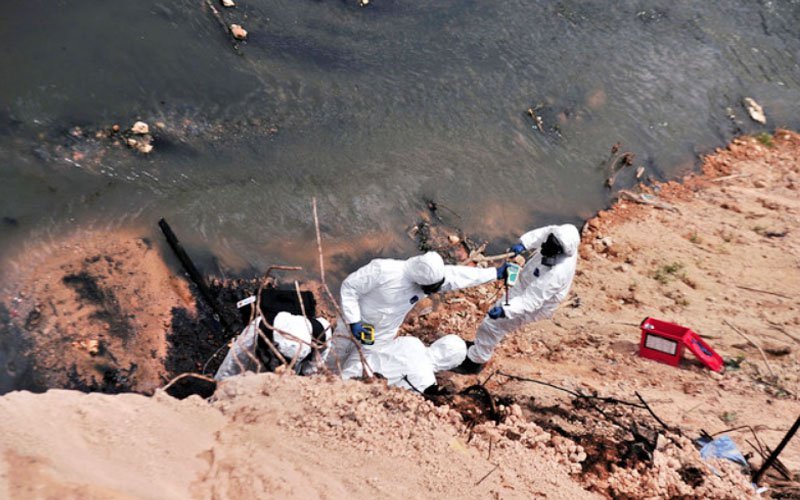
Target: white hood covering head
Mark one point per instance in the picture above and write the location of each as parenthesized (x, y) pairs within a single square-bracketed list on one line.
[(292, 334), (425, 269), (447, 353), (569, 238)]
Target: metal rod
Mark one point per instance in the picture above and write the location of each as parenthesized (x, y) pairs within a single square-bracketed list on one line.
[(774, 455)]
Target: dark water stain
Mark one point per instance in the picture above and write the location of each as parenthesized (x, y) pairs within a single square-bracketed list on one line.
[(16, 369), (108, 307)]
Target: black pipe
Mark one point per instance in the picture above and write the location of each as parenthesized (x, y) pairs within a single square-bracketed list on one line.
[(774, 455), (194, 274)]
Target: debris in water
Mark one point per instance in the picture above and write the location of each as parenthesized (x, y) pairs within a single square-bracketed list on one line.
[(228, 3), (140, 128), (755, 111), (537, 119), (363, 3), (238, 32)]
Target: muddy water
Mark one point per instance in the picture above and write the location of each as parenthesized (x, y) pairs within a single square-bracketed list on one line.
[(371, 110)]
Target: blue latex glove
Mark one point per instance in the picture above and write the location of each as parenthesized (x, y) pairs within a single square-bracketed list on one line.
[(518, 249), (497, 312), (356, 329), (502, 271)]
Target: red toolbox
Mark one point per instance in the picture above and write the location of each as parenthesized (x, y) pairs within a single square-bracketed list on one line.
[(664, 342)]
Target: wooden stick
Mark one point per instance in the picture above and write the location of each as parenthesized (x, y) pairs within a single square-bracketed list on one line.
[(573, 393), (764, 291), (650, 410), (748, 339), (319, 240), (729, 177), (487, 474), (187, 375), (781, 329), (490, 258), (328, 293), (624, 193)]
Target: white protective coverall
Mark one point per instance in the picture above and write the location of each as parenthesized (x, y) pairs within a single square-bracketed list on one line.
[(382, 292), (406, 362), (537, 293), (288, 329)]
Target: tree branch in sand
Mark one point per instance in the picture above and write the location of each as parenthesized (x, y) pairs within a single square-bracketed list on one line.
[(750, 341), (638, 198), (764, 291), (188, 375), (328, 293)]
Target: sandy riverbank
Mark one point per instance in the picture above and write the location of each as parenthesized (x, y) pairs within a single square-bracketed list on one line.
[(722, 247)]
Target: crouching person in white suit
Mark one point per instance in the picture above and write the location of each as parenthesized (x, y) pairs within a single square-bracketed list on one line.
[(406, 362), (294, 337), (377, 297)]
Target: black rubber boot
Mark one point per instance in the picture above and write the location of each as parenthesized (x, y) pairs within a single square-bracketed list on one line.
[(469, 367)]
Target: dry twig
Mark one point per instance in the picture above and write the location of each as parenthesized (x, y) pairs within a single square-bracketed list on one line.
[(748, 339), (187, 375), (628, 195), (764, 291)]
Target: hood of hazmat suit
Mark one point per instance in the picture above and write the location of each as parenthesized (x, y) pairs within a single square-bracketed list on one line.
[(292, 335), (425, 269), (295, 335), (447, 353)]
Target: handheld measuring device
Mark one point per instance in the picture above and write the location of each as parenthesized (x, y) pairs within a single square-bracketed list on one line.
[(512, 276), (368, 336)]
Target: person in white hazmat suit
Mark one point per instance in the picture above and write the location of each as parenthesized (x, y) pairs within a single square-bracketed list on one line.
[(381, 293), (406, 362), (541, 286), (293, 336)]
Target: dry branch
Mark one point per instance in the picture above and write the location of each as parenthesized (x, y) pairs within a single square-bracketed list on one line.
[(628, 195), (187, 375), (748, 339), (763, 291)]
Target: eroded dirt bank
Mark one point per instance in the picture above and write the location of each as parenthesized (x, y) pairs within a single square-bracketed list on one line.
[(721, 250)]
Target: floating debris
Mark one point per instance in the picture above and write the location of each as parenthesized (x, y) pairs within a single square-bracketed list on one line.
[(755, 111), (140, 128), (238, 32)]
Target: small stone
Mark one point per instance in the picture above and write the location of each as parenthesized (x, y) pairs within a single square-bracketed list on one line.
[(760, 184), (454, 239), (145, 148), (363, 3), (132, 142), (228, 3), (161, 125), (238, 32), (140, 128), (115, 128), (755, 111)]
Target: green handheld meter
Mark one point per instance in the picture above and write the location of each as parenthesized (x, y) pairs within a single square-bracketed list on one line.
[(368, 334), (512, 274)]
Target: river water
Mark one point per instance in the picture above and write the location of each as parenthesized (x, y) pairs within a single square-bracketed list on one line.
[(371, 110)]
